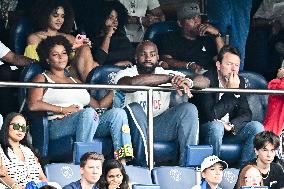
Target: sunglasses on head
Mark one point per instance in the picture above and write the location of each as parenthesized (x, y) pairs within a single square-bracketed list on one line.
[(17, 126)]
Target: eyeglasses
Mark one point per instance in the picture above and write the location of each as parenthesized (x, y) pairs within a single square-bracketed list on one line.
[(17, 126)]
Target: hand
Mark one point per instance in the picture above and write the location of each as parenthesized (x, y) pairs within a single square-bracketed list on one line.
[(196, 68), (149, 19), (180, 82), (233, 81), (124, 63), (280, 73), (70, 109), (205, 29), (88, 42), (201, 82), (110, 31), (113, 185), (227, 127), (3, 171)]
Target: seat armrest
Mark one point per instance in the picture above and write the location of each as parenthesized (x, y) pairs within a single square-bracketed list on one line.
[(39, 131)]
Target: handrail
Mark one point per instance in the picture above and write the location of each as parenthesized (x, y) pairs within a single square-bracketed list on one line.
[(131, 87), (144, 88)]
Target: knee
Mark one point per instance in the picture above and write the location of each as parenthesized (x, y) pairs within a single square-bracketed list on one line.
[(118, 113), (188, 108), (255, 127), (215, 127), (90, 114)]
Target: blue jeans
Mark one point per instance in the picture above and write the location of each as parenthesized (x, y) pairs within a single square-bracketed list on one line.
[(232, 17), (177, 123), (82, 125), (114, 123), (85, 124), (213, 132)]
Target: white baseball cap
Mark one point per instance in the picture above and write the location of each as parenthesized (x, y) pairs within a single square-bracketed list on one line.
[(211, 160)]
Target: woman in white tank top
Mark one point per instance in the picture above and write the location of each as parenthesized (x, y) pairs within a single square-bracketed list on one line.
[(67, 115)]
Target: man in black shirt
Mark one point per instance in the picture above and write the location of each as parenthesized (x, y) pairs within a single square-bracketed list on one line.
[(265, 145), (194, 45)]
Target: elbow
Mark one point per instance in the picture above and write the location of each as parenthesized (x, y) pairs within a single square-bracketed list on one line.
[(32, 106)]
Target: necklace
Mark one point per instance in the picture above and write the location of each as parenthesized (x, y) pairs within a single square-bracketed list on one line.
[(265, 174)]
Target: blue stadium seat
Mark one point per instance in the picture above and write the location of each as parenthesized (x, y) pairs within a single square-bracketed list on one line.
[(18, 35), (62, 173), (145, 186), (174, 177), (138, 175), (99, 145), (195, 154), (230, 177)]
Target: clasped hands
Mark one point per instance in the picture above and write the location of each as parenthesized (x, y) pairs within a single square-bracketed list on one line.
[(181, 83)]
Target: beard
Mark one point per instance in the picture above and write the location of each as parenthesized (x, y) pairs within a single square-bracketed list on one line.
[(142, 68)]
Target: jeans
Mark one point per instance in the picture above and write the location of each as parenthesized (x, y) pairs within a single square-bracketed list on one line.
[(82, 125), (232, 17), (213, 132), (177, 123), (85, 124), (114, 123)]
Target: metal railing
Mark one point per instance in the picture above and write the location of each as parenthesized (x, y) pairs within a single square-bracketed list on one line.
[(140, 88)]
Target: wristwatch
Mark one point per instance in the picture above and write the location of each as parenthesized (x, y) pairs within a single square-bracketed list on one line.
[(218, 35)]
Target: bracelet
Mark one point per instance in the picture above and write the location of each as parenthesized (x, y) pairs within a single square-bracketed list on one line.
[(189, 64), (13, 185)]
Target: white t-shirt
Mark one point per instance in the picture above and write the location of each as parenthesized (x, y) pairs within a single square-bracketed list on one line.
[(135, 32), (161, 100), (3, 51)]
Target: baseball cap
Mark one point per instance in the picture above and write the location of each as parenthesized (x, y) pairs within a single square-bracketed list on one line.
[(211, 160), (188, 10)]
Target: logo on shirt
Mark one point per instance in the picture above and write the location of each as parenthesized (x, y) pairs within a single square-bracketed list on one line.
[(203, 49), (156, 104)]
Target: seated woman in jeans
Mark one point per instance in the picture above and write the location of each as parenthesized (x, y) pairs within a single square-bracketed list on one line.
[(67, 110)]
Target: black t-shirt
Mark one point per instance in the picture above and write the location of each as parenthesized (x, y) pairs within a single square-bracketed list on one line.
[(275, 177), (120, 49), (201, 50)]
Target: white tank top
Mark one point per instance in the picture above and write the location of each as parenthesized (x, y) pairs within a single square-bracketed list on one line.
[(65, 97)]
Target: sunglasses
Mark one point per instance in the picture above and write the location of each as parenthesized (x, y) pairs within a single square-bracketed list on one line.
[(17, 126)]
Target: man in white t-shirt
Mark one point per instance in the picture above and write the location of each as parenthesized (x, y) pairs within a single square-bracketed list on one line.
[(138, 20), (7, 55), (179, 122)]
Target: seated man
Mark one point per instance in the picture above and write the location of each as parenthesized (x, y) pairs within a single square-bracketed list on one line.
[(177, 123), (91, 170), (139, 20), (226, 113), (194, 45)]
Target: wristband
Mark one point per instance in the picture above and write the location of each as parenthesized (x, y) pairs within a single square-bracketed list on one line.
[(61, 109), (171, 76), (140, 20)]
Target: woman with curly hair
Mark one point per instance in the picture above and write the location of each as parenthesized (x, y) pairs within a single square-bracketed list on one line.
[(71, 111), (114, 176)]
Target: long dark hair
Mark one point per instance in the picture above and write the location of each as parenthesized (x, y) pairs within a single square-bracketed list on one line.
[(122, 15), (4, 133), (112, 164), (44, 8)]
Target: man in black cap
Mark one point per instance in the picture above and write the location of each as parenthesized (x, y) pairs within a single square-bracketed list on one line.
[(194, 45)]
